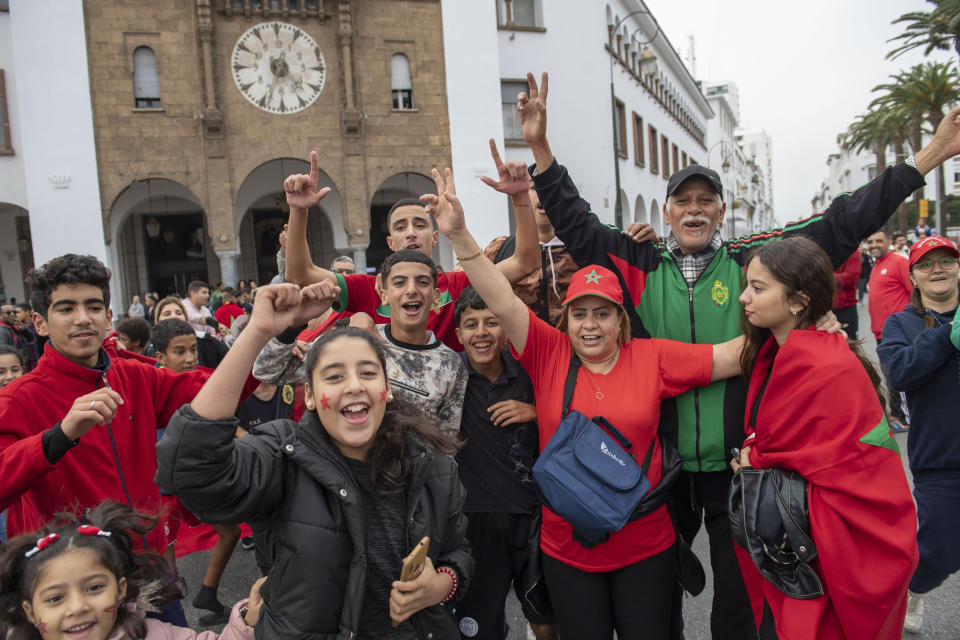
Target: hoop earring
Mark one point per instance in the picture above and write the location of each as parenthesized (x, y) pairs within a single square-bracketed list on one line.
[(793, 310)]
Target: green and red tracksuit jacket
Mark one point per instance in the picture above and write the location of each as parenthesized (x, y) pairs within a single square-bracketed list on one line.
[(707, 421)]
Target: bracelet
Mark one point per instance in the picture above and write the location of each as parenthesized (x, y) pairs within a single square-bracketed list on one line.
[(911, 161), (471, 257), (453, 576), (521, 204)]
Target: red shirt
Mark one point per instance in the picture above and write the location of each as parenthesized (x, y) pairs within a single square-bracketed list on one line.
[(227, 312), (358, 294), (890, 289), (646, 372), (846, 277)]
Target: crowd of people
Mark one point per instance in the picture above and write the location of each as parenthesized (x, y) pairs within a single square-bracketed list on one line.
[(336, 420)]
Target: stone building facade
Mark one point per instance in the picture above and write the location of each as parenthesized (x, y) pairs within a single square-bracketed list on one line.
[(191, 178)]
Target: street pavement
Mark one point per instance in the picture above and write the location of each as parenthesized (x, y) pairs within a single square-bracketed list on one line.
[(941, 616)]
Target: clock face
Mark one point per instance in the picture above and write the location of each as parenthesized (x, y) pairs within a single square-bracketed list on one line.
[(278, 67)]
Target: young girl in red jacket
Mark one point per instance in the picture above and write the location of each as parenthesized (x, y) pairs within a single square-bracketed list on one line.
[(80, 578)]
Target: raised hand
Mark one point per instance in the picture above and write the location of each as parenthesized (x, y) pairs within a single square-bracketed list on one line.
[(945, 144), (445, 206), (532, 107), (514, 178), (315, 299), (301, 189)]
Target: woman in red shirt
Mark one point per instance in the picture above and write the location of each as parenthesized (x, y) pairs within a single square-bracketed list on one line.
[(625, 583)]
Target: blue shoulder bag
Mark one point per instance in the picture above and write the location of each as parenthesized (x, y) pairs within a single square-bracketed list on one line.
[(587, 473)]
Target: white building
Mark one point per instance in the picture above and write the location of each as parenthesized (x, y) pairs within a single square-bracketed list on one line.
[(657, 114), (758, 148), (48, 162)]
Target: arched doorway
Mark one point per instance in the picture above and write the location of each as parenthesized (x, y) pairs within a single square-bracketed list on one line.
[(262, 210), (16, 252), (160, 240), (393, 189), (640, 211), (656, 219), (625, 213)]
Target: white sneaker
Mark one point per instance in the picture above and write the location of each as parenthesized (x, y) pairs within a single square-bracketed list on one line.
[(914, 612)]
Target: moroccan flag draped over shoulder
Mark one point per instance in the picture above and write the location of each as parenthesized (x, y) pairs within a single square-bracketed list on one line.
[(820, 416)]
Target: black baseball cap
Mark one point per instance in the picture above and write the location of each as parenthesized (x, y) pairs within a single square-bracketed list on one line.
[(694, 171)]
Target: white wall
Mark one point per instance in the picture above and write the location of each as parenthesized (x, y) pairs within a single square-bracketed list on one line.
[(12, 182), (580, 120), (56, 129), (473, 100)]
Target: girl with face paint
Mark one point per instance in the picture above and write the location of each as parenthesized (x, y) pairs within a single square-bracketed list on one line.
[(341, 497)]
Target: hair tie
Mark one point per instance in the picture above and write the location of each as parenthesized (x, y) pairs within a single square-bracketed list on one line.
[(42, 543), (90, 530)]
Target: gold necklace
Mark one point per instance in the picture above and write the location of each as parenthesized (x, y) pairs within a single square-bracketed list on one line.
[(599, 394)]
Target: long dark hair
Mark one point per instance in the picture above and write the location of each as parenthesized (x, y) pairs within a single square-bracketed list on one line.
[(804, 270), (151, 583), (388, 459)]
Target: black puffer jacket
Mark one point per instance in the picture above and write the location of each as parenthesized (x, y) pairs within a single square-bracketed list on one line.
[(292, 481)]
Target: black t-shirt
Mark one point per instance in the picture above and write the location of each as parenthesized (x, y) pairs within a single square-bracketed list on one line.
[(386, 548), (496, 463), (254, 411)]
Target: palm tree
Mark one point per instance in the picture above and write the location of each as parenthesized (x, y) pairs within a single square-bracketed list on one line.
[(868, 131), (936, 29), (876, 130), (924, 92)]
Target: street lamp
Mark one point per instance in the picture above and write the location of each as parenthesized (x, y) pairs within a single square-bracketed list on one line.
[(648, 66), (725, 165)]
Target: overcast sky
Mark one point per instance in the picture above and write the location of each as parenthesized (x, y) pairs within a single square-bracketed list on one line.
[(804, 71)]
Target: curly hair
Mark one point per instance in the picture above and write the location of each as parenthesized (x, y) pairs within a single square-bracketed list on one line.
[(151, 583), (66, 269), (390, 466)]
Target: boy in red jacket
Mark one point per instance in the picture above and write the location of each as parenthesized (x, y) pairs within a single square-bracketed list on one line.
[(82, 428)]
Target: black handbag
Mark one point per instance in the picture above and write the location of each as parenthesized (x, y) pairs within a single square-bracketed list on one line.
[(769, 518)]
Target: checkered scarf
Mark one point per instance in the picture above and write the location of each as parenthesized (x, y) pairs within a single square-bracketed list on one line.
[(692, 265)]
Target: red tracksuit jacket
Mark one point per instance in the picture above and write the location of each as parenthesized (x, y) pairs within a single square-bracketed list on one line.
[(89, 473)]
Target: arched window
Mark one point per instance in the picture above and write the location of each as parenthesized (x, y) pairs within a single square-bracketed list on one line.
[(400, 82), (146, 84)]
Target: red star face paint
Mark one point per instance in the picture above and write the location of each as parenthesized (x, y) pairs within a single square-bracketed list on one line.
[(383, 397), (324, 401)]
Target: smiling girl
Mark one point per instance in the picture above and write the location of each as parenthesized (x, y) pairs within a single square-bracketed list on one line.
[(78, 579), (340, 497)]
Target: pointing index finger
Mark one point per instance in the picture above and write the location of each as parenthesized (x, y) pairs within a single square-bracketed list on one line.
[(496, 154), (314, 167)]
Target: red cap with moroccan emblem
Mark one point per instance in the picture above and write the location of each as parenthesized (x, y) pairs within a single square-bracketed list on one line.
[(925, 246), (595, 281)]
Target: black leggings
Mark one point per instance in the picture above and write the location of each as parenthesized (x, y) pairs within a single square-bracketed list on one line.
[(634, 601)]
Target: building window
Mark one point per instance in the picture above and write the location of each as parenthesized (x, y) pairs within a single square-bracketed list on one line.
[(871, 173), (638, 140), (620, 130), (654, 156), (684, 162), (146, 83), (519, 14), (665, 156), (676, 159), (6, 145), (400, 82), (509, 90)]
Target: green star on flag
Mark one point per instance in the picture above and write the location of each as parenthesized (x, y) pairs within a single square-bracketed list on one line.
[(593, 277)]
